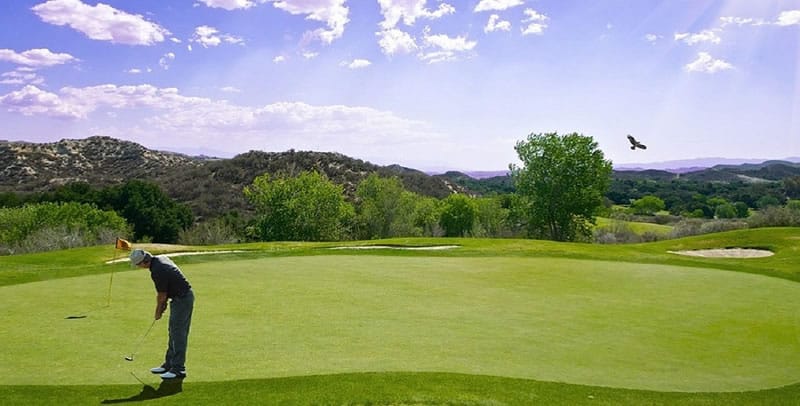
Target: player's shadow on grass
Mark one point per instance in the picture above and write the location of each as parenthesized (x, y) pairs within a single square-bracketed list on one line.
[(167, 388)]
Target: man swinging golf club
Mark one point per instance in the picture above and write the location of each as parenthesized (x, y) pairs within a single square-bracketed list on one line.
[(170, 285)]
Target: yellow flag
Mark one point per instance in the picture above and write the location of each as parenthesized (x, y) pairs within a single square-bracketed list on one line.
[(123, 244)]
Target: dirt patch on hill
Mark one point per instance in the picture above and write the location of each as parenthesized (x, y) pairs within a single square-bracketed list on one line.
[(726, 253)]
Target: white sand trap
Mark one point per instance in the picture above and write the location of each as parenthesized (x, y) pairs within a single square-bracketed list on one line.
[(392, 247), (726, 253), (180, 254)]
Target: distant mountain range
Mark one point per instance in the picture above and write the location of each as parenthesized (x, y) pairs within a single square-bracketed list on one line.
[(676, 166), (696, 164)]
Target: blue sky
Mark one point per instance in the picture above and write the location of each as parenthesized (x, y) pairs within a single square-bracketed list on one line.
[(432, 85)]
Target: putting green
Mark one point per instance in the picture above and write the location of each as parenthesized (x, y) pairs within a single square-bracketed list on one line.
[(625, 325)]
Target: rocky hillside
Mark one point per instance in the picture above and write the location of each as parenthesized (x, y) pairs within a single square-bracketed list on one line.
[(99, 161), (211, 187)]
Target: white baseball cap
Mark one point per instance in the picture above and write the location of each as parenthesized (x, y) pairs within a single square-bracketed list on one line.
[(139, 255)]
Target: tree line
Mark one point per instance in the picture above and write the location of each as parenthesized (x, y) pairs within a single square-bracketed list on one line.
[(561, 185)]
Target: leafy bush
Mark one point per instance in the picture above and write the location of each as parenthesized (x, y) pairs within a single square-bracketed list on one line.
[(689, 227), (212, 232), (615, 233), (51, 226), (773, 216)]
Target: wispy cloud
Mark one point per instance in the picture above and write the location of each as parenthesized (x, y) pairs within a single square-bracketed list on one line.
[(356, 63), (211, 37), (395, 41), (101, 22), (20, 78), (652, 38), (36, 58), (786, 18), (496, 24), (440, 47), (229, 4), (230, 89), (331, 12), (696, 38), (167, 111), (705, 63), (166, 60), (499, 5), (394, 11), (535, 21)]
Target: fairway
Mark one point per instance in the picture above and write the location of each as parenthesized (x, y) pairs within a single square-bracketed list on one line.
[(602, 323)]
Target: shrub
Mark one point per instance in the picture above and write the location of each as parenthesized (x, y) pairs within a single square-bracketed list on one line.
[(51, 226), (212, 232), (616, 232), (775, 217)]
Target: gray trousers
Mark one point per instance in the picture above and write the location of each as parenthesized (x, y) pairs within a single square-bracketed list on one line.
[(180, 318)]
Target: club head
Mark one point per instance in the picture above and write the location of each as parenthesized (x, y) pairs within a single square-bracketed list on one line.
[(129, 358)]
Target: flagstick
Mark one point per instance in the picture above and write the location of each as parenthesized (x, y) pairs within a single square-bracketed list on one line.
[(111, 279)]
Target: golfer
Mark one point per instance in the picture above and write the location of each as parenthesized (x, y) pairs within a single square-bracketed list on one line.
[(170, 285)]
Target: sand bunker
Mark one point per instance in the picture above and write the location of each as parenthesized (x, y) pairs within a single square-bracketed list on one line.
[(394, 247), (180, 254), (726, 253)]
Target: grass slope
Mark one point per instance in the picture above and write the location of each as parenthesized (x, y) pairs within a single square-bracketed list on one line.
[(390, 388)]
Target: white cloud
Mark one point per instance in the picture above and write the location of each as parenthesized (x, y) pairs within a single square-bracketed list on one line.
[(279, 59), (536, 22), (331, 12), (175, 40), (786, 18), (409, 11), (229, 4), (496, 24), (31, 101), (134, 71), (445, 48), (211, 37), (101, 22), (705, 63), (703, 36), (740, 21), (18, 77), (36, 58), (356, 63), (165, 114), (489, 5), (165, 60), (310, 55), (230, 89), (395, 41), (652, 38)]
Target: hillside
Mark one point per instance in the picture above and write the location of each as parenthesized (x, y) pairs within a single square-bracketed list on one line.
[(209, 186)]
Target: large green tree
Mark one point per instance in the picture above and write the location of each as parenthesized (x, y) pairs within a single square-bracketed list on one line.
[(458, 215), (384, 208), (561, 183), (308, 207), (153, 214)]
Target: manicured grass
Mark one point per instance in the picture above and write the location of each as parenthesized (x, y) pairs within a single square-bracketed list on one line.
[(390, 388), (637, 227), (492, 322)]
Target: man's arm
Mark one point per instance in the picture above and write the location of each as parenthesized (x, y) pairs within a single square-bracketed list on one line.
[(161, 304)]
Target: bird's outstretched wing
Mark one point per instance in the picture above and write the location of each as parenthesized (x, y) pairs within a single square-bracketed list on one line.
[(635, 144)]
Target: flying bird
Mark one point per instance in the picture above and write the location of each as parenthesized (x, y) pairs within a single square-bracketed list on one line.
[(636, 144)]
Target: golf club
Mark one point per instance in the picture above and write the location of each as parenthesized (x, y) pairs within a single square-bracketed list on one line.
[(130, 358)]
